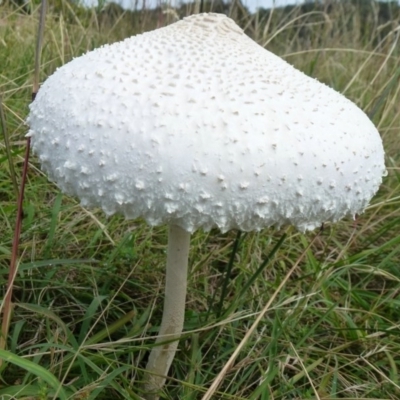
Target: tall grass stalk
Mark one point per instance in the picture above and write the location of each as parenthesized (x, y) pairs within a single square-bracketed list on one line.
[(6, 306)]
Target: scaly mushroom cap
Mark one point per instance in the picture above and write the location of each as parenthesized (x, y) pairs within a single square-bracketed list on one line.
[(196, 125)]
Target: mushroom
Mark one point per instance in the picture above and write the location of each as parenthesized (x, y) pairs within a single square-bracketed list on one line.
[(197, 126)]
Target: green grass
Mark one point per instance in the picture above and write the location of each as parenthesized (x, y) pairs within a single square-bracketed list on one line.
[(89, 290)]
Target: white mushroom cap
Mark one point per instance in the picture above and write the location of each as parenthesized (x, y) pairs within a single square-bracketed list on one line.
[(196, 125)]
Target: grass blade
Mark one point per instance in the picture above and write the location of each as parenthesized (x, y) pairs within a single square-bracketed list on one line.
[(36, 370)]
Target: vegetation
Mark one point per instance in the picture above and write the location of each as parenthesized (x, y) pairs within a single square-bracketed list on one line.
[(87, 295)]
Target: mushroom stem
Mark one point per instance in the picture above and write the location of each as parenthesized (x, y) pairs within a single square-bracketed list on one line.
[(161, 356)]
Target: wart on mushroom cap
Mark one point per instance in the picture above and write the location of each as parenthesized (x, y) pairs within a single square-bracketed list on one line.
[(196, 125)]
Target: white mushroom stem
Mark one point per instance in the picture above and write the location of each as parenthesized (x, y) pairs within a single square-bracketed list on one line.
[(162, 355)]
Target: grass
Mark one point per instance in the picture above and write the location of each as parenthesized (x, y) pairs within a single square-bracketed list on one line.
[(88, 293)]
